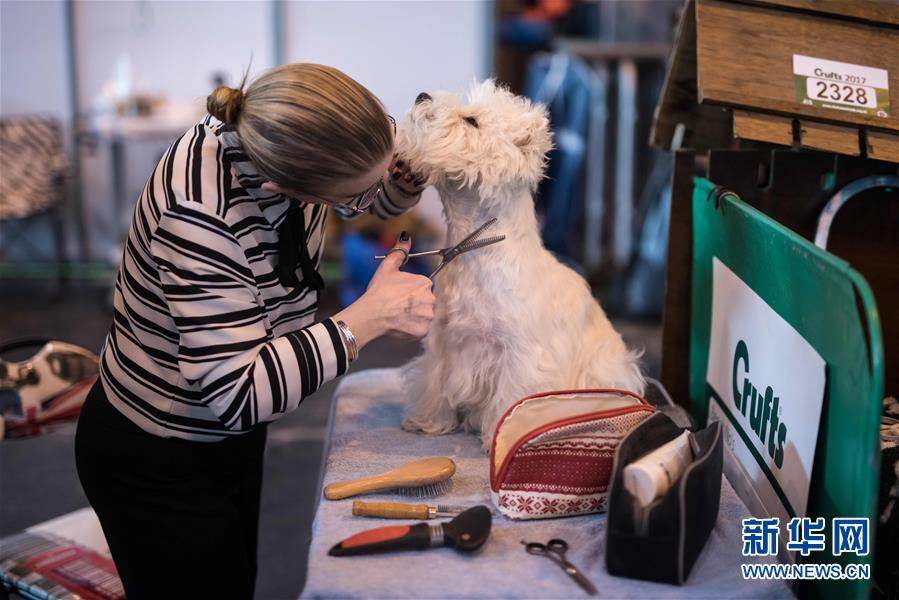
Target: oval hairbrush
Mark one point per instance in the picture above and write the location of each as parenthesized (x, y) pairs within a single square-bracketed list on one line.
[(467, 532), (422, 478)]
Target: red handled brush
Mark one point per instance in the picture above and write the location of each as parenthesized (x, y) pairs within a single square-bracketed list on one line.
[(467, 532)]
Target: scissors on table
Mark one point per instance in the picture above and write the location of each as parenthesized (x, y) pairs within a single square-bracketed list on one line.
[(471, 242), (555, 551)]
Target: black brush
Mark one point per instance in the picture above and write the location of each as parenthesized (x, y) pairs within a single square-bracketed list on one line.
[(467, 533)]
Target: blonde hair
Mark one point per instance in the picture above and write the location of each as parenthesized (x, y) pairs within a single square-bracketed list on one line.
[(306, 125)]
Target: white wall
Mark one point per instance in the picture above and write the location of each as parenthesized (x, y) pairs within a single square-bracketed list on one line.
[(396, 48), (34, 80), (33, 71), (174, 47)]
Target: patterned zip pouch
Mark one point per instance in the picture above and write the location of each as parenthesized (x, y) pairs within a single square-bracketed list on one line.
[(552, 453)]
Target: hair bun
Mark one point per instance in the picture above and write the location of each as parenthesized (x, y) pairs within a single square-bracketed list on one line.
[(225, 103)]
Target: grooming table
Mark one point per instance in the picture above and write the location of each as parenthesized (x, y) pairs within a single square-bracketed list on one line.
[(366, 438)]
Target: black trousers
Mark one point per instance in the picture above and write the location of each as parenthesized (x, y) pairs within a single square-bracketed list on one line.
[(181, 518)]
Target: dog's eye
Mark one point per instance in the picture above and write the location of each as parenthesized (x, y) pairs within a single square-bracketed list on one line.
[(471, 121)]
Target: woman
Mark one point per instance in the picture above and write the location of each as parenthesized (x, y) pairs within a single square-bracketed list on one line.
[(214, 335)]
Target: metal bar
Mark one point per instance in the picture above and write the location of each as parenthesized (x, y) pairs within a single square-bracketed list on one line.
[(622, 240), (75, 187), (277, 23), (595, 169), (119, 185)]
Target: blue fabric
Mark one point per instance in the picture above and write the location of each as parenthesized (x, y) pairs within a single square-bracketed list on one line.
[(366, 439), (563, 84), (519, 31), (359, 265)]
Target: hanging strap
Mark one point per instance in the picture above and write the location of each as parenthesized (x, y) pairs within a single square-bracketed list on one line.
[(292, 249)]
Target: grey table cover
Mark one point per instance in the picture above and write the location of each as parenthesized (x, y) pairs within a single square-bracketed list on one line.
[(366, 438)]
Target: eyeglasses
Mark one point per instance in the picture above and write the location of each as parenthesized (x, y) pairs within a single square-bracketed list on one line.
[(361, 203)]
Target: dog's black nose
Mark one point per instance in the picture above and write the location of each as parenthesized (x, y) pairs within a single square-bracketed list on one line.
[(422, 97)]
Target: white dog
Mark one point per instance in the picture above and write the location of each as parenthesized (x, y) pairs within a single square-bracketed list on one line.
[(511, 320)]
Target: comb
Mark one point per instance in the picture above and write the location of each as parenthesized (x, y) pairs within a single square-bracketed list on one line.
[(474, 245)]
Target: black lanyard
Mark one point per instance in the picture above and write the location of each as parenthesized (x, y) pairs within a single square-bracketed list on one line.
[(292, 248)]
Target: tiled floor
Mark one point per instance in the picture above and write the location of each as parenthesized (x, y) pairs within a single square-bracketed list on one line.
[(37, 475)]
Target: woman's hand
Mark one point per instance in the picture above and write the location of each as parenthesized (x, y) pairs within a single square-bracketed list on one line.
[(395, 303), (404, 178)]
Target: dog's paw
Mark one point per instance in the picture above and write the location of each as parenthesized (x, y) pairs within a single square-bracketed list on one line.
[(412, 426), (427, 427)]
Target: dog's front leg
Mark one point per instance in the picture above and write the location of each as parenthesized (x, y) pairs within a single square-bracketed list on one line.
[(429, 411)]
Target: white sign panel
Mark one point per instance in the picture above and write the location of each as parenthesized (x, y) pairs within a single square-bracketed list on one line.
[(769, 384), (841, 86)]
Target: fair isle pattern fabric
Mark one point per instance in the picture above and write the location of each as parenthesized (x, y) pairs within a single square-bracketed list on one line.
[(206, 342), (565, 470), (34, 163), (539, 505)]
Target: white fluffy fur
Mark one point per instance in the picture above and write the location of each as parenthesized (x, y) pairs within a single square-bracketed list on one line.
[(511, 320)]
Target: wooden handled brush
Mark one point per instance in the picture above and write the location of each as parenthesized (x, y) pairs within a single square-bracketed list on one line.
[(400, 510), (427, 477)]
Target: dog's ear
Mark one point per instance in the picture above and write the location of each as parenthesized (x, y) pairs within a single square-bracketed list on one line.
[(534, 139)]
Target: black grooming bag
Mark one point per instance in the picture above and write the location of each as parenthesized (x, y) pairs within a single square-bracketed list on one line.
[(662, 541)]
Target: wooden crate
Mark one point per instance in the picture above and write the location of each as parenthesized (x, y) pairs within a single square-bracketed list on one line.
[(873, 11), (745, 57), (815, 135), (745, 60), (731, 75)]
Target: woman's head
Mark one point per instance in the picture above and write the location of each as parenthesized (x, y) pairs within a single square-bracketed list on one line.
[(308, 127)]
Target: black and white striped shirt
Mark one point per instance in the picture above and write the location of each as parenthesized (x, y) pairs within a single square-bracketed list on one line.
[(205, 341)]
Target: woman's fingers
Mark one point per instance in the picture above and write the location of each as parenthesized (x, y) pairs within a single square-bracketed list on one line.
[(397, 255), (405, 300), (416, 329), (426, 311)]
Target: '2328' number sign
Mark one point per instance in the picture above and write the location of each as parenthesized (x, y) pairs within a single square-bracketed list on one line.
[(842, 93)]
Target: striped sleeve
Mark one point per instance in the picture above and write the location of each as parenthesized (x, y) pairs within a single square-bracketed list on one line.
[(393, 201), (224, 346)]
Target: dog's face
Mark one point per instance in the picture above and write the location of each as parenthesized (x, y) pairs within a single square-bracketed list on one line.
[(491, 140)]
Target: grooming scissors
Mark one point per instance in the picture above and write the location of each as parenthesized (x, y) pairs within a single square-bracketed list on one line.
[(555, 551), (471, 242)]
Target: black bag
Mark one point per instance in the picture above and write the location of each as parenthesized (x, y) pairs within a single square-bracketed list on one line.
[(662, 541)]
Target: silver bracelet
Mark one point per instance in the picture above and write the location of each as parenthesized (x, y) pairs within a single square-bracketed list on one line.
[(350, 339)]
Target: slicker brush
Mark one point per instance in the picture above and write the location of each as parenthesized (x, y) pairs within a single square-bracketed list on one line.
[(420, 479)]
